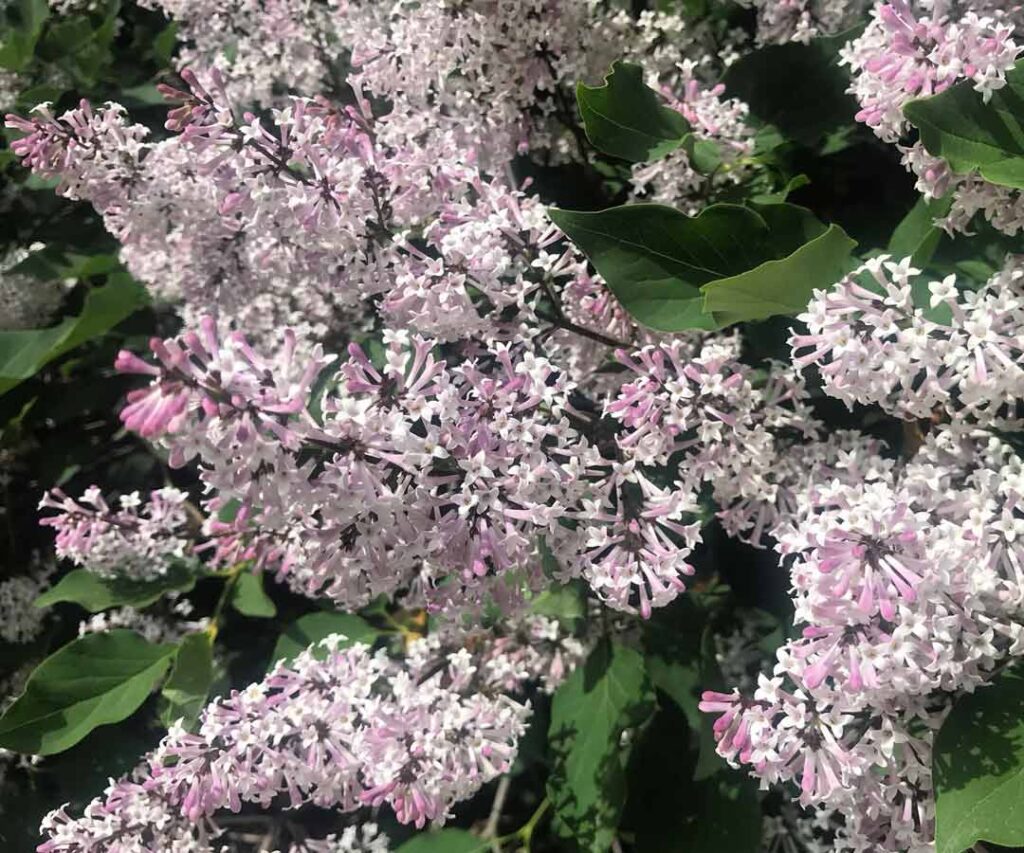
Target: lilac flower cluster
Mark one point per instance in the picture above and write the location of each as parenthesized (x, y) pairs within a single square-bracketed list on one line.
[(908, 585), (720, 121), (873, 344), (781, 21), (503, 405), (299, 217), (913, 49), (353, 729), (26, 302), (20, 622), (438, 477), (137, 540)]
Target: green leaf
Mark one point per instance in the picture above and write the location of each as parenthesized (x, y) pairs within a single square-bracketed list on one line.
[(705, 156), (95, 593), (189, 683), (655, 258), (917, 236), (95, 680), (165, 43), (20, 40), (709, 762), (625, 118), (249, 598), (672, 655), (784, 286), (978, 767), (23, 353), (667, 811), (589, 712), (445, 841), (970, 134), (728, 816), (727, 264), (565, 602), (798, 88), (310, 629)]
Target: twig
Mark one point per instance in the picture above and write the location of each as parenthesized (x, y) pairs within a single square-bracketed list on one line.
[(491, 827)]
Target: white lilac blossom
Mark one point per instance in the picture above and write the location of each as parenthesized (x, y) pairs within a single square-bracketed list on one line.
[(420, 472), (361, 838), (137, 540), (781, 21), (26, 302), (268, 49), (439, 476), (11, 85), (915, 49), (534, 649), (153, 627), (299, 221), (355, 729), (872, 343), (20, 621), (299, 216)]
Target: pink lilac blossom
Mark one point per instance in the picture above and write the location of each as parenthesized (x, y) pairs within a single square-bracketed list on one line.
[(720, 121), (916, 49), (695, 415), (437, 477), (417, 472), (268, 49), (303, 219), (535, 649), (137, 540), (908, 588), (305, 215), (355, 729), (872, 343)]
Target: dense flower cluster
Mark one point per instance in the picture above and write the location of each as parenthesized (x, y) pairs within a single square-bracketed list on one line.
[(20, 621), (908, 585), (437, 477), (353, 729), (26, 302), (137, 540), (298, 218), (495, 405), (874, 344), (914, 49), (780, 21), (720, 121)]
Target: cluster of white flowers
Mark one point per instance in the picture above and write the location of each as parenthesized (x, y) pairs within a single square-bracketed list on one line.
[(20, 621), (510, 404), (354, 729), (154, 627), (781, 21), (26, 302), (298, 219)]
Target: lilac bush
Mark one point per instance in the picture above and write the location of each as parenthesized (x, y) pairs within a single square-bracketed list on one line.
[(570, 425)]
